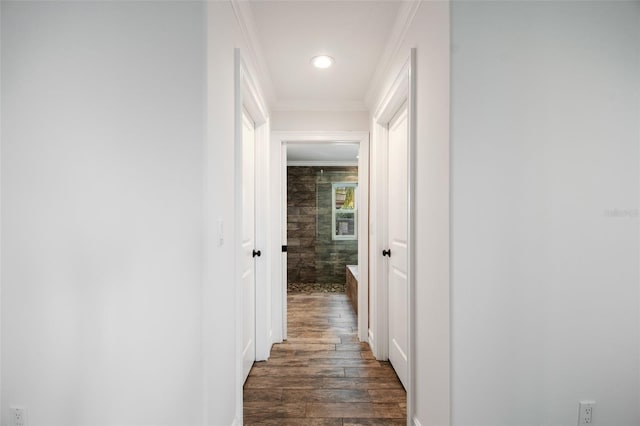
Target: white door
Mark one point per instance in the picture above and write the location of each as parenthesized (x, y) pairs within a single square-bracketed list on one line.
[(398, 229), (248, 246)]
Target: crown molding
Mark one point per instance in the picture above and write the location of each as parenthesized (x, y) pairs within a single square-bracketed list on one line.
[(317, 106), (244, 16), (404, 19)]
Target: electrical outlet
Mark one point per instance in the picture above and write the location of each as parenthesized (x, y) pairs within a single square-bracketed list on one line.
[(19, 416), (585, 412)]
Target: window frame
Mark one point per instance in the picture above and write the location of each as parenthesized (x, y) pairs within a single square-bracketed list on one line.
[(334, 210)]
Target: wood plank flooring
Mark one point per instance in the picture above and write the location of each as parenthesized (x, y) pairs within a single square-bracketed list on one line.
[(322, 375)]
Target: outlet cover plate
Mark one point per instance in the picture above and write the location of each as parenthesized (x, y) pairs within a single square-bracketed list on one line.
[(19, 416), (585, 412)]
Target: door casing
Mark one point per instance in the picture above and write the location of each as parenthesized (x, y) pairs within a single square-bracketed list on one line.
[(279, 225), (248, 97), (401, 91)]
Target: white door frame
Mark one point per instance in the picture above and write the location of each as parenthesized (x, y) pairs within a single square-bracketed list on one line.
[(249, 98), (279, 225), (402, 90)]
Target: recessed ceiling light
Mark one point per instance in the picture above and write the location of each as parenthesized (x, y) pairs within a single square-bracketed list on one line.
[(322, 61)]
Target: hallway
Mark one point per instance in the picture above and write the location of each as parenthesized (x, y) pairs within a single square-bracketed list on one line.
[(321, 375)]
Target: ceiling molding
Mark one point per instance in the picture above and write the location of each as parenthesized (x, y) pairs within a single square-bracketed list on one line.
[(314, 136), (310, 163), (404, 19), (244, 16), (333, 106)]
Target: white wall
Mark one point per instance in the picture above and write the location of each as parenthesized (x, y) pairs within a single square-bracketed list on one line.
[(429, 34), (223, 386), (102, 181), (320, 120), (545, 109), (218, 306)]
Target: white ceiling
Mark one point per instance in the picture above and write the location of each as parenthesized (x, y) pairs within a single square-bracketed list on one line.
[(339, 152), (290, 33)]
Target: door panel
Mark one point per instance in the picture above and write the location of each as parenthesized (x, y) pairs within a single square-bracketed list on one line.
[(398, 230), (248, 245)]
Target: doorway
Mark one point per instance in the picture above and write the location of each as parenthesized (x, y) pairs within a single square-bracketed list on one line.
[(250, 230), (279, 144), (393, 259), (322, 217)]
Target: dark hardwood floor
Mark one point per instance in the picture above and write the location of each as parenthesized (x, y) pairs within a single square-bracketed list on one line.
[(322, 375)]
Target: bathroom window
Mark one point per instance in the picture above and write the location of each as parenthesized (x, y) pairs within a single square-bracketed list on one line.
[(344, 218)]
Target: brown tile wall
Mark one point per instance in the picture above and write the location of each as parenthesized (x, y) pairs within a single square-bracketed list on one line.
[(312, 255)]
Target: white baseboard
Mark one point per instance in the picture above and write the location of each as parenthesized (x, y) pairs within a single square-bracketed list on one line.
[(416, 422), (236, 422)]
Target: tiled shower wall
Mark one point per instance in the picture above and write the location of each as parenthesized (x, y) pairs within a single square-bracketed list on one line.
[(312, 255)]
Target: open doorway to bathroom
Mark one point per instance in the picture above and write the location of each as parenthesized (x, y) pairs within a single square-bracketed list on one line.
[(322, 219), (320, 214)]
